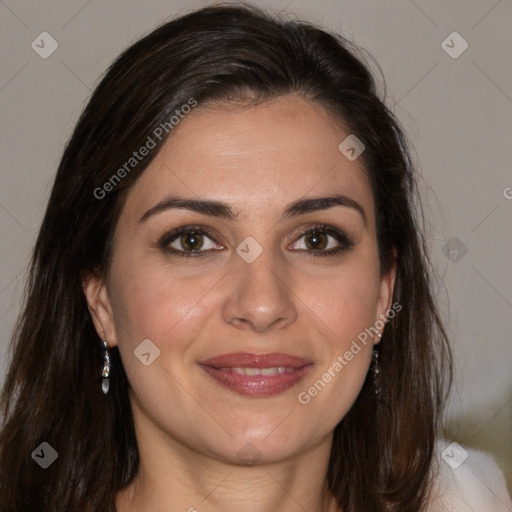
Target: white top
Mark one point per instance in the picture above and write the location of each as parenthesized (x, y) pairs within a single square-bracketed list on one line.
[(467, 481)]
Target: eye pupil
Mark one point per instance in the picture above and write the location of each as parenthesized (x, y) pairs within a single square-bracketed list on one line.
[(316, 241), (192, 241)]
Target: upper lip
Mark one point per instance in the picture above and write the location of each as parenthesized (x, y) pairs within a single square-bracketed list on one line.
[(250, 360)]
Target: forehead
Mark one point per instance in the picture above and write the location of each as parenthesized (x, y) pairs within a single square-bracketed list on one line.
[(256, 158)]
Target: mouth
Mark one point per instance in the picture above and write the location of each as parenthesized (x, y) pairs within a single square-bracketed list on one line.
[(257, 375)]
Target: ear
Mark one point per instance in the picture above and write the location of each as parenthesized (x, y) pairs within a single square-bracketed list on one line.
[(387, 286), (100, 307)]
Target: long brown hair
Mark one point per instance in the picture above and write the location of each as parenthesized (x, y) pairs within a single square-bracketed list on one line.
[(382, 449)]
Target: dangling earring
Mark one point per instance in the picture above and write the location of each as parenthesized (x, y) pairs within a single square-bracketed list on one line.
[(376, 370), (106, 368)]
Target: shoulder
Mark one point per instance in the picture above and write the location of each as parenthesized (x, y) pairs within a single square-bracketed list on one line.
[(466, 480)]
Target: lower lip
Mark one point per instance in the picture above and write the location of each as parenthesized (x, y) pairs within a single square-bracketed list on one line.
[(257, 385)]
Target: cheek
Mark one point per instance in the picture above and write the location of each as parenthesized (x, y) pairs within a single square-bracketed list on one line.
[(346, 307), (158, 303), (345, 302), (343, 366)]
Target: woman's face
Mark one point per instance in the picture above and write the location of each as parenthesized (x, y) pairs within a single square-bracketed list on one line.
[(254, 268)]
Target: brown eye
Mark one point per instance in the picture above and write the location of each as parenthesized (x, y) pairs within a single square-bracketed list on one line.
[(192, 241), (189, 241), (316, 241), (322, 240)]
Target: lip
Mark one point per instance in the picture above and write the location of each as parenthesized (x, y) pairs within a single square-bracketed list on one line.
[(223, 369)]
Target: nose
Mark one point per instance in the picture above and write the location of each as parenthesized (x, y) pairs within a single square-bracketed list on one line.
[(261, 297)]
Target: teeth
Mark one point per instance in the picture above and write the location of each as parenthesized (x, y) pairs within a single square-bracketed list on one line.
[(272, 371), (261, 371)]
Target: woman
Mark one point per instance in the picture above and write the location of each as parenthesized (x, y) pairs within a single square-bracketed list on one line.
[(229, 304)]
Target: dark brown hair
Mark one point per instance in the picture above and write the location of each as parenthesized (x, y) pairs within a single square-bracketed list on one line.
[(382, 450)]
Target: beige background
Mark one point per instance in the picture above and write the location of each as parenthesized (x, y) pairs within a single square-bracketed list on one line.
[(457, 113)]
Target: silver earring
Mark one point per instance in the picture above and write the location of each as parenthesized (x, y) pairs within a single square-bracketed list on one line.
[(376, 370), (106, 368)]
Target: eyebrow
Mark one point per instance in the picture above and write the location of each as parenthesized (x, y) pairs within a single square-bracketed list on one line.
[(224, 210)]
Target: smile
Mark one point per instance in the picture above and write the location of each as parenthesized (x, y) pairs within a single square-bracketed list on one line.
[(257, 375)]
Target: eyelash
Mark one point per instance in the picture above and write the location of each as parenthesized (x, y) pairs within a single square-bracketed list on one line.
[(345, 242)]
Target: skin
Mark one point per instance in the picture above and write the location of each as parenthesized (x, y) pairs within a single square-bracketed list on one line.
[(190, 429)]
